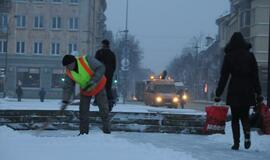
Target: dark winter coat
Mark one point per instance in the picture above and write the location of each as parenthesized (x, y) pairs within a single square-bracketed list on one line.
[(240, 68), (42, 93), (19, 91), (107, 57)]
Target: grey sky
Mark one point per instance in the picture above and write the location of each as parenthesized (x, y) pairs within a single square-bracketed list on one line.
[(164, 27)]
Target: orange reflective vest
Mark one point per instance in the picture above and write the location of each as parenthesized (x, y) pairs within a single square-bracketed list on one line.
[(84, 75)]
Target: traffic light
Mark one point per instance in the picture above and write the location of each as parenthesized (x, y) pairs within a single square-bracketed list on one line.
[(115, 81)]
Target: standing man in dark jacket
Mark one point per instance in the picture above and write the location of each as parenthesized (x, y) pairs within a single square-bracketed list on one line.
[(244, 87), (107, 57), (19, 93), (42, 94)]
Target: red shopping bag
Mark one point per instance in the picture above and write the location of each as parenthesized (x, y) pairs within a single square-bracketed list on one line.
[(215, 119), (265, 116)]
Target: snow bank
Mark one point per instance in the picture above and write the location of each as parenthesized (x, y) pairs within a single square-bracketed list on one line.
[(49, 104), (96, 146)]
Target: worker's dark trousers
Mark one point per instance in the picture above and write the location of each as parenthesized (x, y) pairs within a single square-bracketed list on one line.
[(240, 113), (109, 93), (102, 103)]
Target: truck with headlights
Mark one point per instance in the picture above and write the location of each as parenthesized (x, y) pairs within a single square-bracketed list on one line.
[(161, 92)]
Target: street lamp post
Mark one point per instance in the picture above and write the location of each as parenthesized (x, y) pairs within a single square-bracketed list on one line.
[(125, 59), (268, 85), (6, 56)]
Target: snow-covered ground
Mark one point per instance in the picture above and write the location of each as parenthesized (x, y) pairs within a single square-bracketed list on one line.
[(35, 104), (65, 145)]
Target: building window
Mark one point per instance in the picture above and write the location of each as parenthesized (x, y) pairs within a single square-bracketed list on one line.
[(245, 18), (56, 1), (3, 46), (20, 47), (38, 48), (38, 1), (72, 47), (28, 77), (20, 21), (55, 50), (73, 23), (74, 1), (58, 78), (38, 22), (2, 80), (3, 23), (56, 22)]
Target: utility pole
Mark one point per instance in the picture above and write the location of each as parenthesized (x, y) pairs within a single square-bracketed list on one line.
[(125, 59), (268, 85), (196, 76), (7, 6)]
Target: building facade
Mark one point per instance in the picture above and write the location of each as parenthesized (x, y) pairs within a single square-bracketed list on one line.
[(35, 34), (251, 18)]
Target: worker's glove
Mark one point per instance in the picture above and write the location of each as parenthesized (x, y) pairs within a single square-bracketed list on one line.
[(217, 99), (91, 85)]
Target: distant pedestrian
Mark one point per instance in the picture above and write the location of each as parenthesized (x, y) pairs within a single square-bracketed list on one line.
[(19, 93), (107, 57), (163, 75), (42, 94), (244, 87)]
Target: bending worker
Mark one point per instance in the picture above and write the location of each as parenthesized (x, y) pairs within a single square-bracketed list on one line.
[(88, 73)]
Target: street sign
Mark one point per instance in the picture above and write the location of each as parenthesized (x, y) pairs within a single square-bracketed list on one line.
[(125, 64)]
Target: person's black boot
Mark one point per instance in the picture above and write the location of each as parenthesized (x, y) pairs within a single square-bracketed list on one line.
[(80, 134), (235, 146), (247, 143)]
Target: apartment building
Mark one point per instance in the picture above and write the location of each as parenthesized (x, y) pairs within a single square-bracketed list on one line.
[(251, 18), (35, 34)]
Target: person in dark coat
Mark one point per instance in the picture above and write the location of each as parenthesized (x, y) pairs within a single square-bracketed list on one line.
[(42, 94), (19, 93), (240, 65), (107, 57)]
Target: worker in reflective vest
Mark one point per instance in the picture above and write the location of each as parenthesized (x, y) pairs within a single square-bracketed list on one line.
[(88, 73)]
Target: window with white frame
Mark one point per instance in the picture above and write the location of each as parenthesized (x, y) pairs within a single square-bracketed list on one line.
[(3, 46), (20, 47), (3, 22), (245, 18), (38, 47), (56, 22), (55, 48), (73, 23), (20, 21), (38, 22), (72, 47)]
